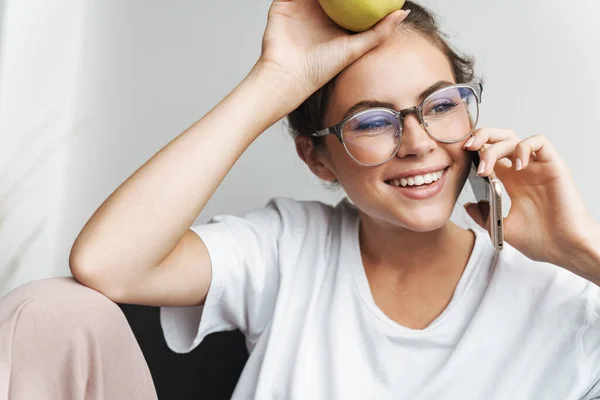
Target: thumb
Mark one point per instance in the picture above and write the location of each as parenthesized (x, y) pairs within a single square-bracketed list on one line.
[(361, 43), (479, 212)]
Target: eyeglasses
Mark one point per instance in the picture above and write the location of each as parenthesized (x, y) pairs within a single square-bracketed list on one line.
[(372, 137)]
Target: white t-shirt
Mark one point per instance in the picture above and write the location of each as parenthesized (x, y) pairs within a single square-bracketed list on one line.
[(290, 277)]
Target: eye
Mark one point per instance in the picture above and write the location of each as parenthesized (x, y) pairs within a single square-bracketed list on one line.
[(440, 107), (373, 124)]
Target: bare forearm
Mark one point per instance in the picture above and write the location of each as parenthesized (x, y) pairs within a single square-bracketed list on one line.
[(143, 220), (586, 261)]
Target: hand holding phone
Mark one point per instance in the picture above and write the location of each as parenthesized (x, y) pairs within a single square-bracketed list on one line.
[(491, 192)]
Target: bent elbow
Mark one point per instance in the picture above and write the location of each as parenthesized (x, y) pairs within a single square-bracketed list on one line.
[(90, 274)]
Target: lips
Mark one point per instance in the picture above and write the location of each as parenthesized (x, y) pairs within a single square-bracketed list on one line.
[(419, 192), (418, 175), (417, 180), (418, 171)]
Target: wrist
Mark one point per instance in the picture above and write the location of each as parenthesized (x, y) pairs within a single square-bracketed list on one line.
[(251, 108), (288, 90), (586, 259)]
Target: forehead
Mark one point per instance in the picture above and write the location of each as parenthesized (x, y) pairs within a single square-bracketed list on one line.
[(396, 72)]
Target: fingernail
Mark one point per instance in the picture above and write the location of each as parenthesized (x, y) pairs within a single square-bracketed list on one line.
[(466, 205), (402, 16), (469, 142), (481, 169), (519, 164)]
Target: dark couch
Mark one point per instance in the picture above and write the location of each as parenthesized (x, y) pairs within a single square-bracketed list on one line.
[(209, 372)]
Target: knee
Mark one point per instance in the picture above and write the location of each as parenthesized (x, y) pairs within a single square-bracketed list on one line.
[(60, 302), (68, 341)]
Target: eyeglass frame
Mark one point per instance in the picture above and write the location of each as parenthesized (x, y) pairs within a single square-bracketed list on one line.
[(417, 111)]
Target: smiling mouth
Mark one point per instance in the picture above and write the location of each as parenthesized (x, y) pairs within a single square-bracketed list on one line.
[(417, 180)]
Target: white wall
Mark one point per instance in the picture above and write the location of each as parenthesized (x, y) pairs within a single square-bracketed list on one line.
[(541, 62), (139, 72), (39, 56)]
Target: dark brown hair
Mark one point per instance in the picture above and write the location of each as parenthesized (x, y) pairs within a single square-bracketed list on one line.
[(310, 115)]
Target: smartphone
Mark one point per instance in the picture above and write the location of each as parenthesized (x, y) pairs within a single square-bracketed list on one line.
[(489, 189)]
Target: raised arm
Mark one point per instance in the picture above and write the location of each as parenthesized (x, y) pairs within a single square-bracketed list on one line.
[(137, 247)]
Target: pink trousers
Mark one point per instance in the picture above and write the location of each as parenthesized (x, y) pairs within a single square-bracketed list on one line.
[(60, 340)]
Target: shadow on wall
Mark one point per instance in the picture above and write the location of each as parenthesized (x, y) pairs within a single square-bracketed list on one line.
[(20, 175)]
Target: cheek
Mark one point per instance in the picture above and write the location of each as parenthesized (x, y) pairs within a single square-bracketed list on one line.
[(352, 176), (338, 158), (333, 145), (461, 159), (458, 154)]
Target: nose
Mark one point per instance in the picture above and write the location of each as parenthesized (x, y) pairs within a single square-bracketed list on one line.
[(415, 140)]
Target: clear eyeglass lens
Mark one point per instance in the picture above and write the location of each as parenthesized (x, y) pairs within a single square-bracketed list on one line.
[(372, 137), (451, 113)]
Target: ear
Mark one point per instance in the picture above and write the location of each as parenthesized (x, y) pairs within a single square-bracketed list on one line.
[(316, 159)]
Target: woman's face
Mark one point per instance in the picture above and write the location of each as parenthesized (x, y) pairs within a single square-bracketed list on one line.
[(398, 72)]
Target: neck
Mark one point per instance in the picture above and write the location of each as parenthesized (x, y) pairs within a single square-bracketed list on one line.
[(408, 252)]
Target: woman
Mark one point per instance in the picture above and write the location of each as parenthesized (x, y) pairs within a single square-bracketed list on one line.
[(383, 297)]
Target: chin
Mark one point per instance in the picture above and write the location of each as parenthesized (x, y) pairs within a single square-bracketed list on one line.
[(424, 220), (428, 225)]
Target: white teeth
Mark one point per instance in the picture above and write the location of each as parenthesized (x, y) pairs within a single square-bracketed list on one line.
[(418, 180)]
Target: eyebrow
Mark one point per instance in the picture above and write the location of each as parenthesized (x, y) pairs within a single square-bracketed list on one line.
[(363, 105)]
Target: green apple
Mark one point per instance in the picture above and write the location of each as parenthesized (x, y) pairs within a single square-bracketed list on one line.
[(359, 15)]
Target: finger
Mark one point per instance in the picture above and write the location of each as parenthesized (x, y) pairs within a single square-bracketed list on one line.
[(360, 43), (536, 148), (495, 152), (483, 136), (504, 163)]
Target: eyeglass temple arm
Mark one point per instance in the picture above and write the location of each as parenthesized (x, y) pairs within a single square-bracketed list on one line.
[(322, 132)]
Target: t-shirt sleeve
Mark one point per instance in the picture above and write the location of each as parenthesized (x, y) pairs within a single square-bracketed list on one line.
[(590, 346), (244, 284)]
